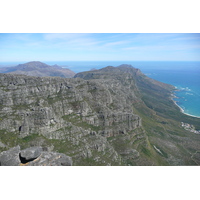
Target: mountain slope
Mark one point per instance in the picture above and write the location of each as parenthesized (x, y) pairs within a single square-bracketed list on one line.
[(161, 118), (111, 116), (37, 68)]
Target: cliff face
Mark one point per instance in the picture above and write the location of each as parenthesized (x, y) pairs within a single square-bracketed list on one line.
[(44, 105), (82, 112), (101, 117)]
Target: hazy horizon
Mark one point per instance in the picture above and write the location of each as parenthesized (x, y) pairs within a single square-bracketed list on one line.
[(79, 66), (80, 47)]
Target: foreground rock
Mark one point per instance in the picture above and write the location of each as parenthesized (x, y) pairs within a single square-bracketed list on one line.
[(10, 157), (31, 153), (51, 159), (33, 156)]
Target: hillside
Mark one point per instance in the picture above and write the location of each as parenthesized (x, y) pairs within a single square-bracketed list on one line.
[(37, 68), (111, 116)]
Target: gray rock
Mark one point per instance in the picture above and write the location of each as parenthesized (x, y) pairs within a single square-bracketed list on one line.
[(33, 156), (46, 105), (64, 160), (31, 153), (51, 159), (69, 109), (10, 157)]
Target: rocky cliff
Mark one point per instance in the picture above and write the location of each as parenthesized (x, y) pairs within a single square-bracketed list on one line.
[(84, 113), (101, 117)]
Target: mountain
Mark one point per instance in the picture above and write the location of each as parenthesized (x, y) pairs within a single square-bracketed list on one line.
[(111, 116), (37, 68)]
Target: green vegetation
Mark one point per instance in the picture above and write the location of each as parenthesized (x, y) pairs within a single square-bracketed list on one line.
[(77, 120), (146, 151)]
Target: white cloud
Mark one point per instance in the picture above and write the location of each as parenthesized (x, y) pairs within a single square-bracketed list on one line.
[(63, 36), (116, 43), (72, 40), (172, 47)]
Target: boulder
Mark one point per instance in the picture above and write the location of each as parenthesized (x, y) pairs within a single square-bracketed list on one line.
[(31, 153)]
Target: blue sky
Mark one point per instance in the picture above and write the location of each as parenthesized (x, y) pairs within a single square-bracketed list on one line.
[(99, 47)]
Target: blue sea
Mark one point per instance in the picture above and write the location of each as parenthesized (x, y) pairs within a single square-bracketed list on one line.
[(183, 75)]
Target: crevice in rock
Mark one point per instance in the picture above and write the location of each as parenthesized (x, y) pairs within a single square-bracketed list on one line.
[(24, 160)]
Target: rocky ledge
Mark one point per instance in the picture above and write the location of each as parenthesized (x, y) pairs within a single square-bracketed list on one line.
[(33, 156)]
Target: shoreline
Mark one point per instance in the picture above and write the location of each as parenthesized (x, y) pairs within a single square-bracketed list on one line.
[(181, 109)]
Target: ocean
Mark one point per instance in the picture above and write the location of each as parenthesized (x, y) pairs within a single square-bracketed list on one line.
[(184, 75), (187, 82)]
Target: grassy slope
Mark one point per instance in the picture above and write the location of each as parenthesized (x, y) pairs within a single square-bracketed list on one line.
[(162, 123)]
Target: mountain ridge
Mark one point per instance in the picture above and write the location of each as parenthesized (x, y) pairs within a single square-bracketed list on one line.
[(111, 116), (37, 68)]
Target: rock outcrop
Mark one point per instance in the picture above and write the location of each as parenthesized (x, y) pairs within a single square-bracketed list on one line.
[(79, 112), (33, 156), (10, 157), (45, 105), (30, 153)]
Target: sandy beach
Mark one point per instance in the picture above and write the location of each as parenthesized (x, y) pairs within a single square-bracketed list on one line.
[(181, 109)]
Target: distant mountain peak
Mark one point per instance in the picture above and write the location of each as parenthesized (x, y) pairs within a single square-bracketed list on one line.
[(56, 66), (126, 65), (37, 68), (35, 64), (93, 69), (128, 68)]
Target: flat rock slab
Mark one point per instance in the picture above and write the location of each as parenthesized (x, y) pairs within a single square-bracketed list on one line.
[(51, 159), (31, 153), (33, 156)]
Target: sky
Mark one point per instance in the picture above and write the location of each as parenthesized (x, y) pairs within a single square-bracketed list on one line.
[(16, 47)]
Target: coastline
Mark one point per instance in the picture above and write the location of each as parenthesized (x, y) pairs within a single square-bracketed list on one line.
[(181, 109)]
